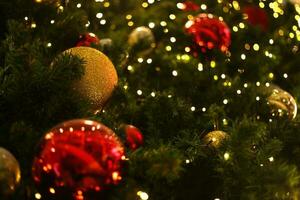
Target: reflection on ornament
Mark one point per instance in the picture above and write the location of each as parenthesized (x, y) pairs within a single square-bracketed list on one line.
[(215, 138), (281, 102), (10, 173), (134, 137), (209, 32), (100, 77), (78, 157), (87, 40), (142, 38)]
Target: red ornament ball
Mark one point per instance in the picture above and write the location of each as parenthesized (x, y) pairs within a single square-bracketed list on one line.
[(209, 32), (78, 157), (257, 17), (134, 137), (88, 40), (188, 6)]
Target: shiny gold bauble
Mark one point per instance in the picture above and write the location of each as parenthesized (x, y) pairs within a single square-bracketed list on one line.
[(100, 77), (10, 173), (281, 102), (215, 138)]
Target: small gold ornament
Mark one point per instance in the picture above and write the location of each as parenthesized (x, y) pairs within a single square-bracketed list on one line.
[(10, 173), (142, 37), (215, 138), (100, 77), (281, 102)]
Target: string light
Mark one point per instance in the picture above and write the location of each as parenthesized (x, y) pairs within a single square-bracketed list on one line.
[(173, 39), (200, 67), (243, 56), (140, 60), (163, 23), (149, 60), (256, 47), (103, 21), (99, 15), (203, 7), (38, 196), (213, 64), (33, 25), (106, 4), (143, 195), (151, 25), (168, 48), (172, 16), (226, 156), (145, 4), (174, 73), (139, 92), (52, 190)]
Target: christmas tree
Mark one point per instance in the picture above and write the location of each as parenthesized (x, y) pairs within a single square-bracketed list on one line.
[(149, 99)]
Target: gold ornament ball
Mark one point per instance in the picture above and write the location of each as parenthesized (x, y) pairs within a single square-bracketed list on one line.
[(215, 138), (10, 173), (296, 2), (281, 102), (100, 77), (143, 37)]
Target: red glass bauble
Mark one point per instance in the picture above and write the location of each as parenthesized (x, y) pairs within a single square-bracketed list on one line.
[(134, 137), (88, 40), (78, 157), (189, 6), (257, 17), (209, 32)]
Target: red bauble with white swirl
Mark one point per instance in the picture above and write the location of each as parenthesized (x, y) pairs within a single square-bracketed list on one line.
[(209, 32), (78, 158)]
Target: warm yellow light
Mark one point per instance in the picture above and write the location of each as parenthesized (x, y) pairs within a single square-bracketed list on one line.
[(129, 17), (145, 5), (226, 156), (106, 4), (256, 47), (38, 196), (213, 64)]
